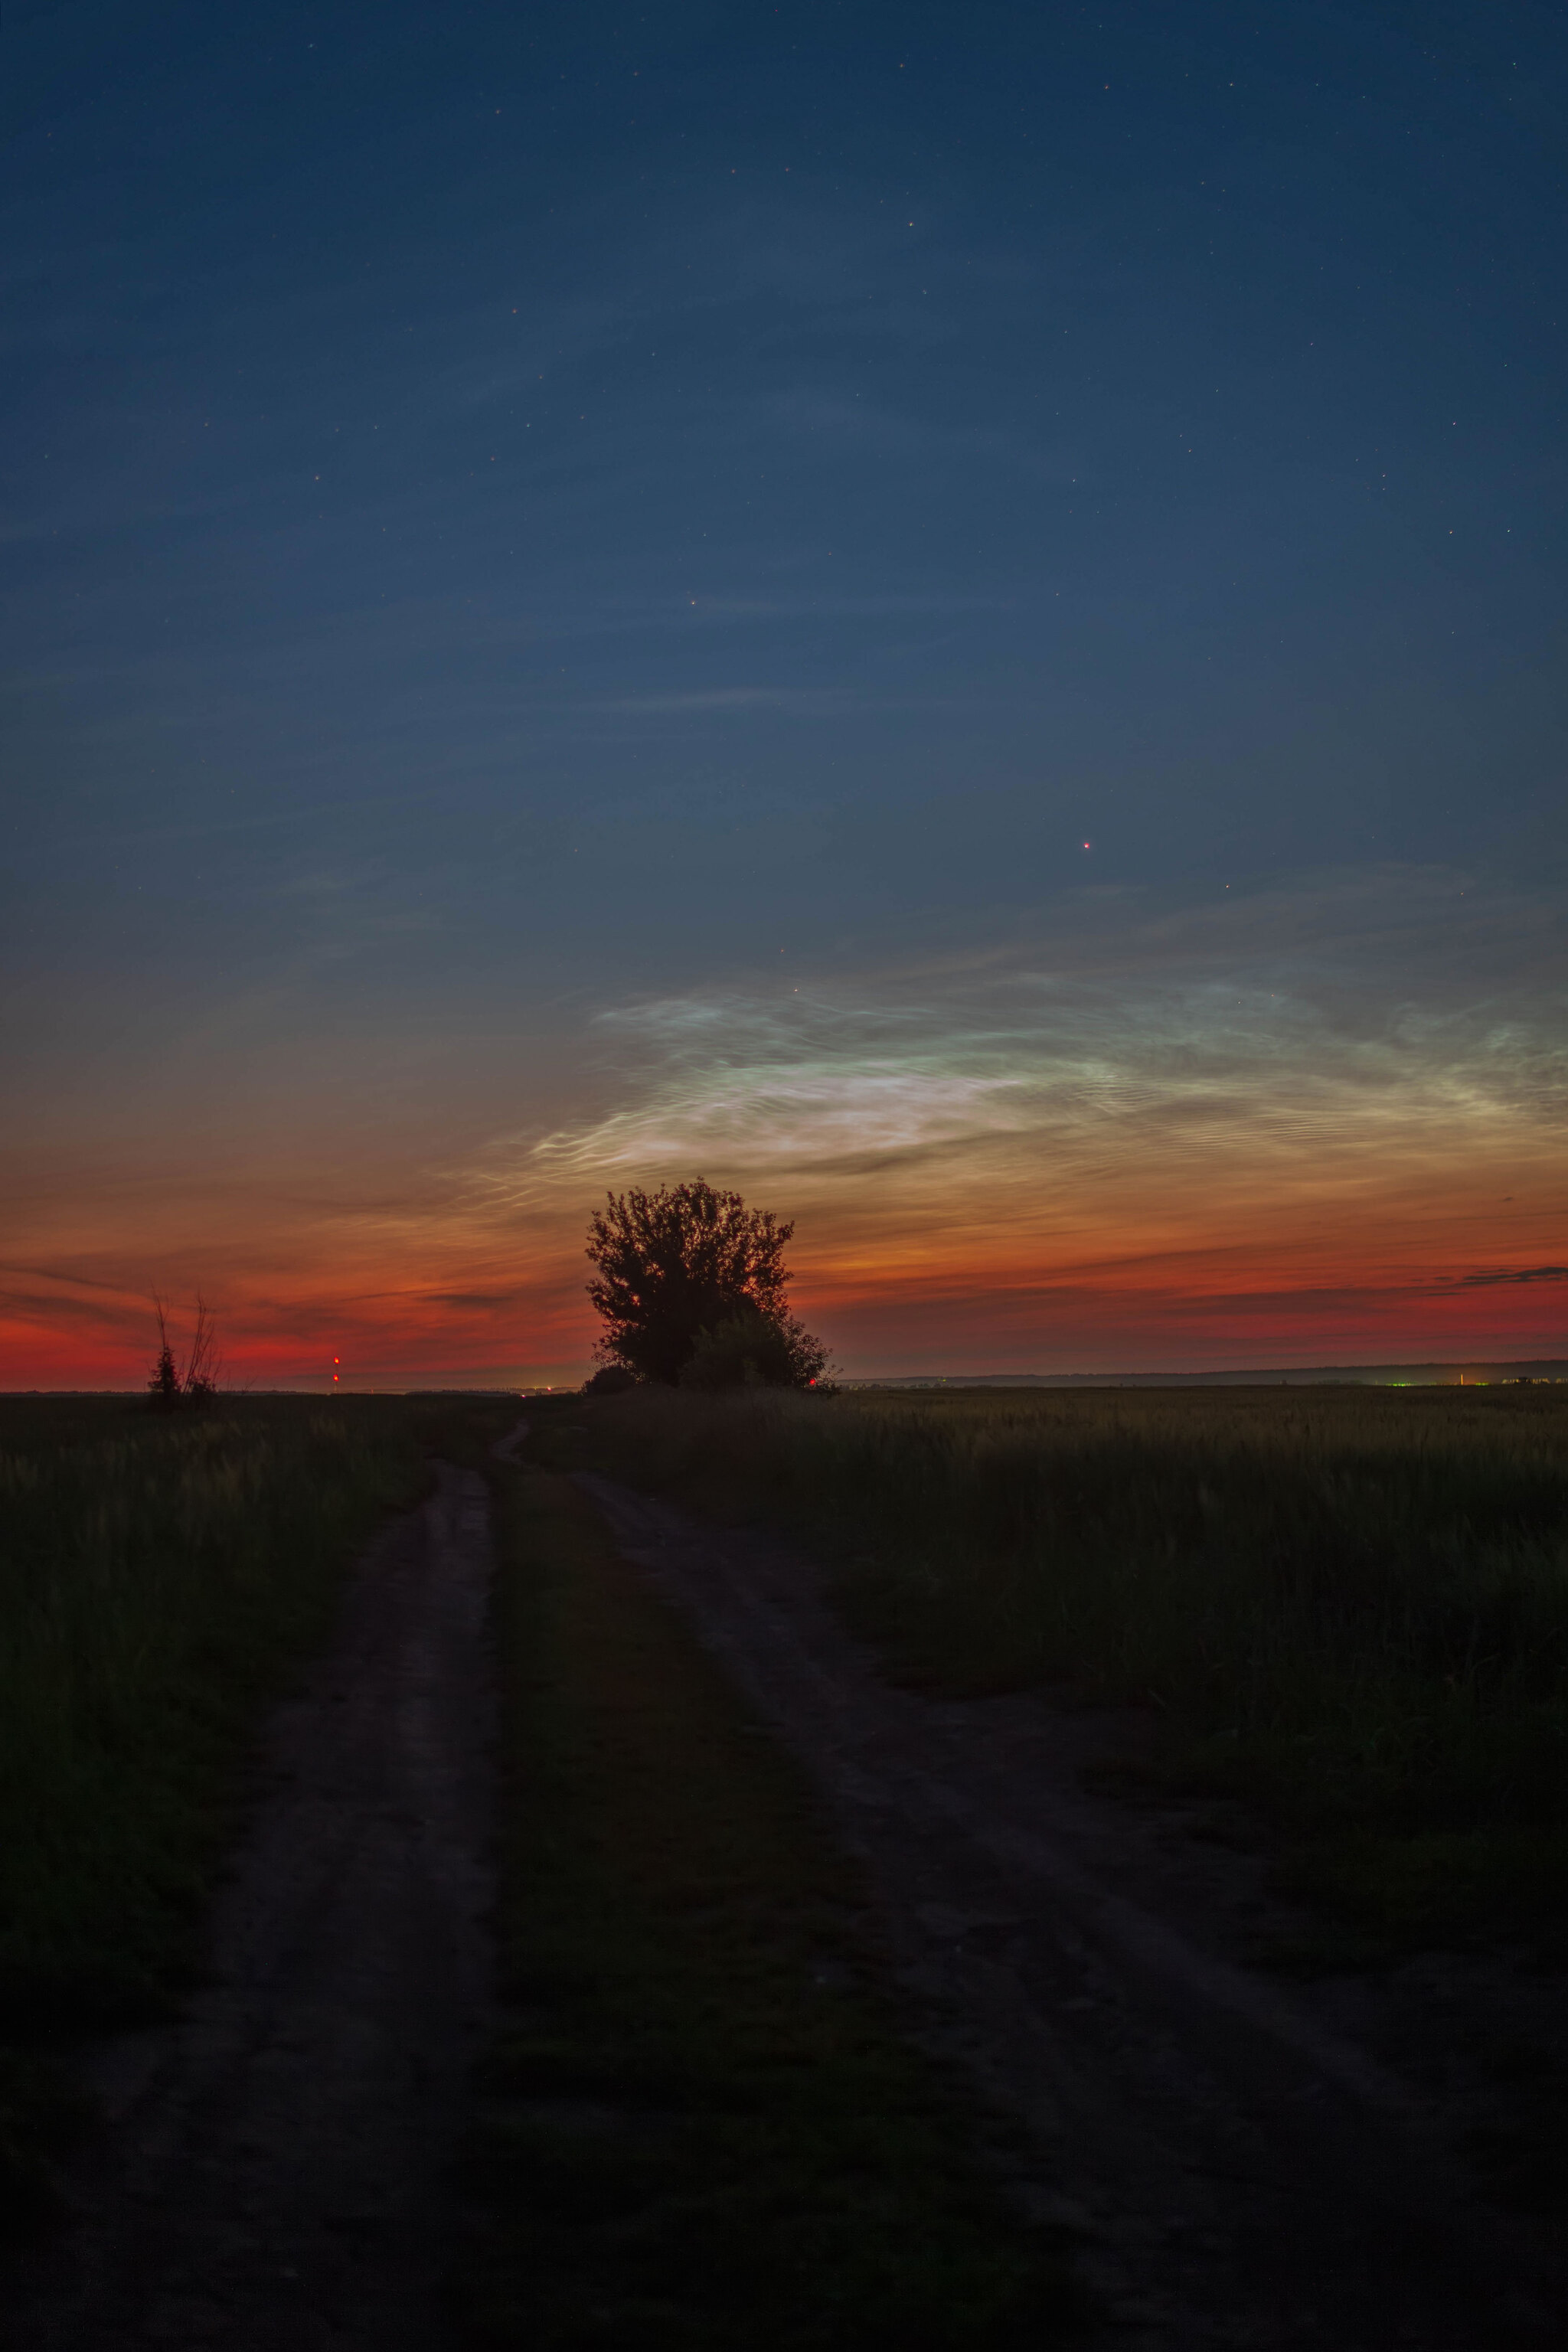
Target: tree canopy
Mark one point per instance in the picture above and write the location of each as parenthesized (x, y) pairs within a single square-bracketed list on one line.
[(678, 1263)]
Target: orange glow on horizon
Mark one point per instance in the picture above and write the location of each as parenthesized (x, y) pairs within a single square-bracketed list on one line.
[(989, 1168)]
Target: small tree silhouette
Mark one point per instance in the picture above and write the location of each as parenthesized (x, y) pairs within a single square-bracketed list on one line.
[(164, 1387), (170, 1387)]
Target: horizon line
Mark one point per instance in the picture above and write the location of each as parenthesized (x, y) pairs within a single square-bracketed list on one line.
[(1547, 1368)]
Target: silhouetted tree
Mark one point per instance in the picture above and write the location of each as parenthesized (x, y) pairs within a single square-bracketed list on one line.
[(680, 1262), (171, 1387), (164, 1387)]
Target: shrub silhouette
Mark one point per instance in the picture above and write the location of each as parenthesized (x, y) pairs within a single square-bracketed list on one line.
[(751, 1350), (172, 1385)]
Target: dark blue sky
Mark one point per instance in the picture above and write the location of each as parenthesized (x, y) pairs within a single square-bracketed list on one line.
[(525, 508)]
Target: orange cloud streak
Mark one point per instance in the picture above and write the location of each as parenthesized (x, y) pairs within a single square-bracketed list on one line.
[(1156, 1146)]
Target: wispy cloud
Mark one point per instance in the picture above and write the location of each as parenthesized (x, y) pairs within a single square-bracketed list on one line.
[(1512, 1273), (1151, 1131), (1095, 1108), (724, 698), (850, 422)]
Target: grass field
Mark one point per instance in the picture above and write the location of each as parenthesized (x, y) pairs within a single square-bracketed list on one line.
[(157, 1576), (1348, 1606), (704, 2127)]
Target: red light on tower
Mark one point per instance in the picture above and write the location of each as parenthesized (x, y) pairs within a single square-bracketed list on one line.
[(336, 1362)]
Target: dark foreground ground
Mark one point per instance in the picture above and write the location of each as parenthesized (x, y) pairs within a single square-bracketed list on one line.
[(1235, 2160), (277, 2167), (1246, 2163)]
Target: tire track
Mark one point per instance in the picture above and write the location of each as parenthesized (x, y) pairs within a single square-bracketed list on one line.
[(276, 2169), (1240, 2172)]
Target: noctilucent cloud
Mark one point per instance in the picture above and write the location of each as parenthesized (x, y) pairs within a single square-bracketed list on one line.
[(953, 616)]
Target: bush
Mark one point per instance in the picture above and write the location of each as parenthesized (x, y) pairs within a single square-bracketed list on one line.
[(750, 1350), (610, 1380)]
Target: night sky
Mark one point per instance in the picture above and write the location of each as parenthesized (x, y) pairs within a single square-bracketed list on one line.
[(952, 615)]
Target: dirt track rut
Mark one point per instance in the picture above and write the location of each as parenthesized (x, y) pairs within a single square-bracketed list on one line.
[(276, 2172), (1240, 2163), (1240, 2170)]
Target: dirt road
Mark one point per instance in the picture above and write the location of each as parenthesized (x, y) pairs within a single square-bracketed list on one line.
[(275, 2173), (1244, 2164), (1248, 2165)]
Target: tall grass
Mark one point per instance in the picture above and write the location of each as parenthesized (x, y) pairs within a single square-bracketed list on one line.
[(1351, 1604), (157, 1573)]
